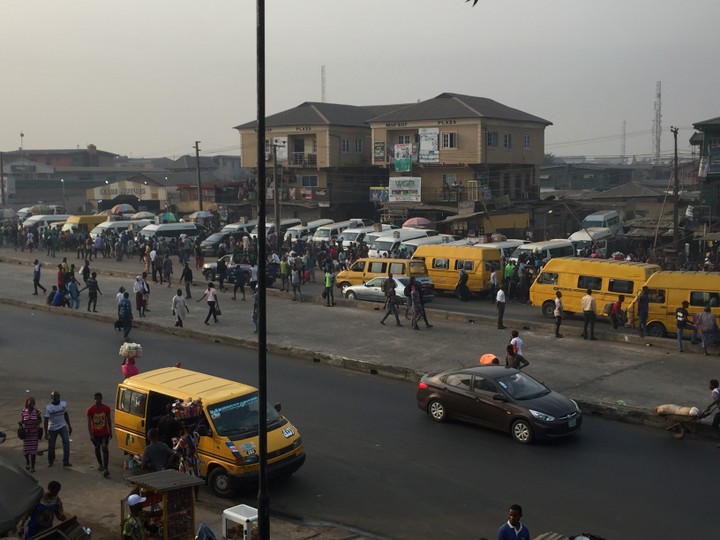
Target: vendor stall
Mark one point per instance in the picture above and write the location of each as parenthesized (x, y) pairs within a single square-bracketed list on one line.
[(170, 503)]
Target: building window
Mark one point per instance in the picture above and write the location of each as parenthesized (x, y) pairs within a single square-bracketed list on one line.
[(309, 181), (314, 146), (403, 139), (344, 145), (526, 142), (449, 139), (507, 140), (492, 139), (358, 146)]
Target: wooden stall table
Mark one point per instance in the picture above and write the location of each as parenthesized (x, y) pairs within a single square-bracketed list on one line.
[(170, 503)]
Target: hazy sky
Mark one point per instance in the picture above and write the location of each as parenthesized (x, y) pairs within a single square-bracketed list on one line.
[(148, 78)]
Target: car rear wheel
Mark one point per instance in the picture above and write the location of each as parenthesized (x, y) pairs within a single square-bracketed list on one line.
[(350, 295), (522, 432), (548, 309), (221, 483), (656, 329), (437, 411)]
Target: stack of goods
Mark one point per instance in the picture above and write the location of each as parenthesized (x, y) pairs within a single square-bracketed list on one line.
[(669, 408), (130, 350)]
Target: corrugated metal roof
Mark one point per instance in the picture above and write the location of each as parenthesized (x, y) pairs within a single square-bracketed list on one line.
[(166, 480), (712, 122)]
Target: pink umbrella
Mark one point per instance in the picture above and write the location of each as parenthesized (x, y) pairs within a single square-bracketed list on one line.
[(122, 209), (417, 222)]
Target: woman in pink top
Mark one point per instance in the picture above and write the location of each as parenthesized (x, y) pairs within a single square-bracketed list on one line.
[(211, 294), (129, 368)]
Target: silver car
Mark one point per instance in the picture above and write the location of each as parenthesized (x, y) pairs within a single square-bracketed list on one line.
[(372, 290)]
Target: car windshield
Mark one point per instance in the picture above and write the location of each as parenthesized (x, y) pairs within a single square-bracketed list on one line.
[(214, 237), (522, 386), (350, 236), (239, 416), (384, 245), (323, 233)]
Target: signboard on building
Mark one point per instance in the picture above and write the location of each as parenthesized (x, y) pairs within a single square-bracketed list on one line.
[(379, 151), (405, 189), (378, 194), (403, 157), (429, 151)]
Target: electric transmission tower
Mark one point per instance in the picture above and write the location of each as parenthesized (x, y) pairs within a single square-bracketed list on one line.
[(657, 123)]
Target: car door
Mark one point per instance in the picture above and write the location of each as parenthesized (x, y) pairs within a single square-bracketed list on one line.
[(486, 410), (373, 290)]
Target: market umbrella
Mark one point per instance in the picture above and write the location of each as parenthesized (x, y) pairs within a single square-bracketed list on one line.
[(200, 214), (123, 209), (7, 213), (168, 217), (417, 222), (143, 215), (19, 494)]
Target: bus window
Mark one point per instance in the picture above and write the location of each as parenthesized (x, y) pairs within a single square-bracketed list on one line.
[(465, 265), (590, 282), (620, 286), (548, 278), (698, 298), (657, 296), (442, 264)]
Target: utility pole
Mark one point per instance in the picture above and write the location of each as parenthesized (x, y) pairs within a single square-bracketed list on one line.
[(277, 203), (263, 496), (676, 196), (2, 180), (197, 166)]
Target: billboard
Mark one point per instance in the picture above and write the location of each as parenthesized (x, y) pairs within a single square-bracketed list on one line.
[(429, 151), (404, 189), (403, 157)]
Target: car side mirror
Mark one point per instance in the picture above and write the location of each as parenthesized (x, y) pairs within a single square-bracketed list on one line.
[(499, 397), (277, 407)]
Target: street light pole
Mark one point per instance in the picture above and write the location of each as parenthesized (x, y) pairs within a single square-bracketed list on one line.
[(197, 166), (676, 197), (62, 181)]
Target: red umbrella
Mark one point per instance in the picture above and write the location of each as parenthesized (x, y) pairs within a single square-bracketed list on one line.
[(417, 222)]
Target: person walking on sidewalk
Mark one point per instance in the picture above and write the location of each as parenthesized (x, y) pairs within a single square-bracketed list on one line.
[(682, 319), (139, 290), (417, 305), (714, 404), (500, 301), (93, 289), (100, 430), (179, 308), (167, 269), (707, 324), (391, 305), (30, 420), (36, 278), (589, 313), (239, 283), (643, 307), (125, 315), (558, 313), (187, 277), (56, 423), (296, 280), (211, 294)]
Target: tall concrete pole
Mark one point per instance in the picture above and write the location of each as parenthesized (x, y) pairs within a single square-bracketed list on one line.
[(676, 197), (197, 166)]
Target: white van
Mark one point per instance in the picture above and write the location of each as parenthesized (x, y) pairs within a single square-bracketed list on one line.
[(601, 239), (353, 235), (332, 231), (384, 245), (169, 231), (234, 228), (285, 224), (606, 218), (119, 226), (548, 249), (43, 221), (408, 247), (506, 247), (305, 232)]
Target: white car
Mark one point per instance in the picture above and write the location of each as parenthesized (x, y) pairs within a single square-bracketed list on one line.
[(372, 290)]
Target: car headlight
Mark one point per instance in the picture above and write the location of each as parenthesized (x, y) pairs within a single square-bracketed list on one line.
[(542, 416)]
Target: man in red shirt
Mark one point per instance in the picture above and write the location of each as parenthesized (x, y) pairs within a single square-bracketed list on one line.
[(100, 429)]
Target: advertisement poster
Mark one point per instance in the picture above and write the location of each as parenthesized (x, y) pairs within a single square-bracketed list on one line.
[(404, 189), (429, 145), (378, 194), (403, 157), (379, 151)]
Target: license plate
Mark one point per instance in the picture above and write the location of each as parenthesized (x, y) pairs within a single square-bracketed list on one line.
[(572, 423)]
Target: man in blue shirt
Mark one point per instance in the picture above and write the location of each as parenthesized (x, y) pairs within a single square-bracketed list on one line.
[(513, 529), (643, 306)]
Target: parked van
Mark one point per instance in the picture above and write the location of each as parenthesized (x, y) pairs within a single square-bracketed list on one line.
[(600, 239), (305, 232), (118, 227), (225, 416), (386, 244), (363, 270), (238, 228), (668, 290), (170, 231), (43, 221), (573, 276), (333, 230), (84, 223), (444, 263), (609, 219), (506, 247), (408, 247), (285, 224), (353, 235), (548, 250)]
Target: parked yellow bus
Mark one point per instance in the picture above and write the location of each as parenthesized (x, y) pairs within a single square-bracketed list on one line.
[(668, 290), (573, 276), (444, 262)]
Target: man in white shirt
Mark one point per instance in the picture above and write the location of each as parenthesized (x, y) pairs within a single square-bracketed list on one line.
[(57, 424), (500, 303), (589, 313)]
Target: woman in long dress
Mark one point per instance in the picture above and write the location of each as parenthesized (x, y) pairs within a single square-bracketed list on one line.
[(30, 419)]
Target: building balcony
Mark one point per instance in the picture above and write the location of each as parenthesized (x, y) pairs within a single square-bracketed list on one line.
[(302, 159)]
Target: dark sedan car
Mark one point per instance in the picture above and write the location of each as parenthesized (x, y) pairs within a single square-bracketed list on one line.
[(499, 398)]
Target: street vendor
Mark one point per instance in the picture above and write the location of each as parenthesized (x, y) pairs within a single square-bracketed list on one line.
[(129, 352)]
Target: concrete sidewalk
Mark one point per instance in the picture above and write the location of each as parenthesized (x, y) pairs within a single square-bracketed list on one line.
[(620, 376)]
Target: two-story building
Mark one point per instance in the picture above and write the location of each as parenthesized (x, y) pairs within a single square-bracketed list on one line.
[(708, 139), (320, 154)]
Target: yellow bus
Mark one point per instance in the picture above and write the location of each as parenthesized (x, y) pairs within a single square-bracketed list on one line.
[(444, 262), (668, 290), (573, 276)]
